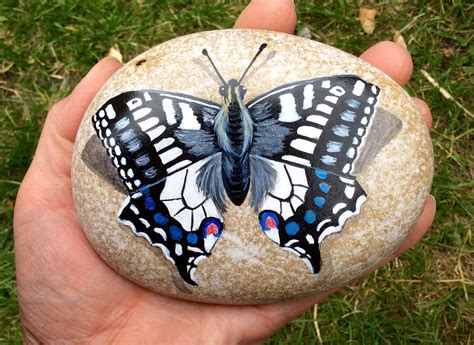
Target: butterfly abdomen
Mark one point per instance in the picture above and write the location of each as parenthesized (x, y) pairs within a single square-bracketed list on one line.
[(236, 177), (235, 161)]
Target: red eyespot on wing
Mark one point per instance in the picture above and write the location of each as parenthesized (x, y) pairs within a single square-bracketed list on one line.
[(270, 223), (212, 229)]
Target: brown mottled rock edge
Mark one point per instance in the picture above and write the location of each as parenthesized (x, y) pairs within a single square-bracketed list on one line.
[(245, 266)]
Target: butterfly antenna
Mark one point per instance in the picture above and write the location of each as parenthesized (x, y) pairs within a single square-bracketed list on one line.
[(206, 54), (260, 50)]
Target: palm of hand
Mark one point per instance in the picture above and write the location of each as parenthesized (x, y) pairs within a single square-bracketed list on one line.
[(67, 292)]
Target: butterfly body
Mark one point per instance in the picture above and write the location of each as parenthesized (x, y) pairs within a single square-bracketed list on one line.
[(234, 131)]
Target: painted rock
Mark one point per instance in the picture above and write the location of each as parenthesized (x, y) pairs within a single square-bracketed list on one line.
[(242, 166)]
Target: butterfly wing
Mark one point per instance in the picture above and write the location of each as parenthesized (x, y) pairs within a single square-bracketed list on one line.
[(158, 142), (176, 217), (306, 205), (308, 135)]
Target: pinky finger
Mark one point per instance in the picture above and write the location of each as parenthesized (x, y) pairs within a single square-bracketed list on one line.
[(420, 229), (425, 111)]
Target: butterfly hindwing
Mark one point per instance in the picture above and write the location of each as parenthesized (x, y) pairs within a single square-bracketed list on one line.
[(158, 141), (306, 205), (182, 222)]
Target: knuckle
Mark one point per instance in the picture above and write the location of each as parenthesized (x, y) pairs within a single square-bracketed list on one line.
[(57, 107)]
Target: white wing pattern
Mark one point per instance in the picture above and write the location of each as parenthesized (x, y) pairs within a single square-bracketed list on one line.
[(306, 134)]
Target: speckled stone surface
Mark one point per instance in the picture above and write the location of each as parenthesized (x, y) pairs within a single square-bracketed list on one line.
[(245, 266)]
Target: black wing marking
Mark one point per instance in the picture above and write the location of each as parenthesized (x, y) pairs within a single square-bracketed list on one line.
[(315, 123), (157, 141)]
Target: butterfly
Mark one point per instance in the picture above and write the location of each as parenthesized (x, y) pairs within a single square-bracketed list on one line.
[(293, 153)]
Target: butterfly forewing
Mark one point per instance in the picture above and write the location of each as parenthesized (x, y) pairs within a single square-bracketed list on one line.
[(147, 134), (319, 123)]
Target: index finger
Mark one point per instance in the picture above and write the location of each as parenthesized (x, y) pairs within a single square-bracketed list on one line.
[(66, 122)]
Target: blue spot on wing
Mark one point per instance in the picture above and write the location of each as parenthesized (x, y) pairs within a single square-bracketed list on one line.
[(292, 228), (150, 203), (161, 219), (348, 116), (333, 146), (319, 201), (353, 103), (142, 160), (328, 160), (322, 174), (134, 145), (310, 217), (192, 238), (176, 233), (341, 130), (122, 123), (324, 187), (151, 172), (128, 135)]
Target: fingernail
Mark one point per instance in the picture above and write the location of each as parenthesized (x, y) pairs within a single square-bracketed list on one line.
[(111, 58)]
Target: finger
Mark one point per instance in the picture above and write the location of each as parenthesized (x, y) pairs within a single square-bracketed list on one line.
[(274, 15), (66, 121), (271, 317), (393, 60), (425, 111), (284, 311), (53, 154), (420, 229)]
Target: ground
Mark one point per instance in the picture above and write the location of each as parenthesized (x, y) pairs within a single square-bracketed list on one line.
[(424, 296)]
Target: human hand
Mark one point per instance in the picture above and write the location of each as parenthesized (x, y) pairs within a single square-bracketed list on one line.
[(68, 294)]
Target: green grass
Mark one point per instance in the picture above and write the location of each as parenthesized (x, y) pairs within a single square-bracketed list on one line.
[(46, 46)]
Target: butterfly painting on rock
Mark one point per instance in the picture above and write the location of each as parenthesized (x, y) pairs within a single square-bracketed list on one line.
[(293, 154)]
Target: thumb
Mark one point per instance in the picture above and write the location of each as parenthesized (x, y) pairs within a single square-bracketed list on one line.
[(274, 15)]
